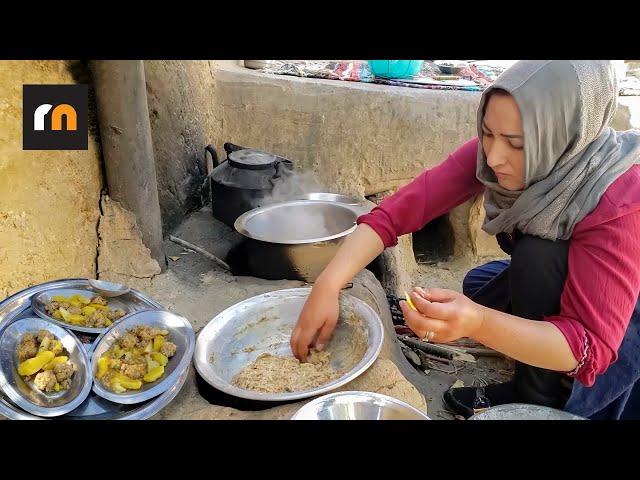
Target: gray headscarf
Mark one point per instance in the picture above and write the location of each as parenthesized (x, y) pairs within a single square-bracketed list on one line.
[(571, 154)]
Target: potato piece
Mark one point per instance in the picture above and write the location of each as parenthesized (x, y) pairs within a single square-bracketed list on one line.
[(81, 299), (72, 318), (158, 341), (55, 361), (154, 374), (103, 367), (59, 298), (88, 310), (151, 364), (56, 347), (160, 358), (126, 382), (77, 319), (44, 344), (33, 365)]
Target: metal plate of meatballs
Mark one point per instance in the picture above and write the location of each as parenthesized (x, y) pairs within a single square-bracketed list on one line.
[(82, 309), (44, 368), (142, 356), (94, 407)]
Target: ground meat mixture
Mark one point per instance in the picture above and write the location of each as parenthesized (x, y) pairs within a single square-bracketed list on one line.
[(279, 374)]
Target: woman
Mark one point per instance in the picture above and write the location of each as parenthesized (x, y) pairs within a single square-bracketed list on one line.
[(562, 194)]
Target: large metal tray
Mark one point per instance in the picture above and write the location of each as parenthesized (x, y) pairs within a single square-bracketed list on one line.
[(94, 407)]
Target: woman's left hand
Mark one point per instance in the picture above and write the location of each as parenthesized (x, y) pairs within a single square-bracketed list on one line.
[(442, 316)]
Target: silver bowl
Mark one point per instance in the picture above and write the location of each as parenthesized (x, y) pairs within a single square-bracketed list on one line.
[(237, 336), (358, 406), (295, 239), (39, 301), (523, 411), (27, 396), (180, 332)]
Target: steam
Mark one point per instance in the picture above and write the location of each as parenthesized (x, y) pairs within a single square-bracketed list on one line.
[(292, 187), (298, 223)]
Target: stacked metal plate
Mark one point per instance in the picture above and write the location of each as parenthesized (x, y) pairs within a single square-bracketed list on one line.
[(87, 400)]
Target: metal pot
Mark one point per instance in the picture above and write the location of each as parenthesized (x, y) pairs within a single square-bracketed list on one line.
[(295, 240), (241, 181)]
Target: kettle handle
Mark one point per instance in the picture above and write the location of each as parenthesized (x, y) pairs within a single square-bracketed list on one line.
[(214, 155), (230, 148)]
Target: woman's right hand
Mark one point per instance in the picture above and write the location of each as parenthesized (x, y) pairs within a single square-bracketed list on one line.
[(319, 317)]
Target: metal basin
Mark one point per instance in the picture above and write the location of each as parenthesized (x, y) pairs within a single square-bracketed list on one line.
[(27, 396), (296, 239), (358, 406), (237, 336), (523, 411), (180, 332)]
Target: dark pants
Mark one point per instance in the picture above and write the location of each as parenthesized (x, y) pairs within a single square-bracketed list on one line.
[(530, 286)]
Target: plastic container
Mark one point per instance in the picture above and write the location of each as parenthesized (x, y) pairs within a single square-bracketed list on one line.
[(395, 68)]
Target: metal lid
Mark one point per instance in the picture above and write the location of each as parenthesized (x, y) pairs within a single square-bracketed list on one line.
[(252, 159)]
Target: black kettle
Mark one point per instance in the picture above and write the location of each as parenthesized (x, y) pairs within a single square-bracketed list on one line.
[(242, 180)]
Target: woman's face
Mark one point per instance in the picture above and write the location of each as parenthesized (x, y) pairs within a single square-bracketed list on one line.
[(503, 140)]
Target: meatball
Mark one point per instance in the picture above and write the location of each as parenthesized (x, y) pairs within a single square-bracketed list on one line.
[(28, 348), (98, 300), (42, 334), (63, 371), (115, 315), (168, 349), (51, 307), (75, 310), (97, 320), (45, 381), (135, 371), (127, 341), (65, 384), (142, 331), (107, 378), (142, 344)]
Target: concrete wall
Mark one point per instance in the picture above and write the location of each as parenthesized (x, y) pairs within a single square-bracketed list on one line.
[(357, 138), (181, 109), (181, 96), (49, 200)]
